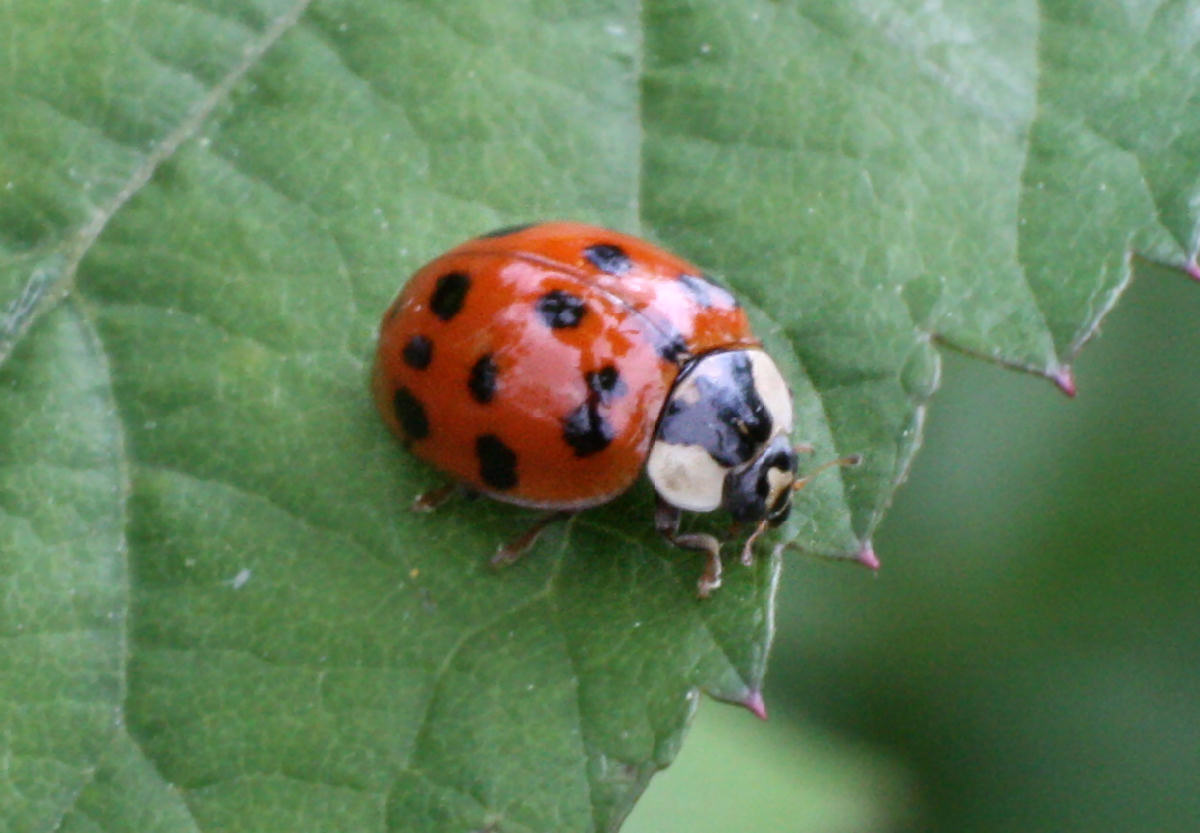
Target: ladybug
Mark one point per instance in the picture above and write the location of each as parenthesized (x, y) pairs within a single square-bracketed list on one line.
[(547, 365)]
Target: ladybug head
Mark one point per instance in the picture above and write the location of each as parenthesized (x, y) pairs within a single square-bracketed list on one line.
[(762, 490), (723, 439)]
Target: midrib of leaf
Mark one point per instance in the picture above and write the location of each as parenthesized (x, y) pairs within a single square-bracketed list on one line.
[(54, 275), (120, 614), (121, 459)]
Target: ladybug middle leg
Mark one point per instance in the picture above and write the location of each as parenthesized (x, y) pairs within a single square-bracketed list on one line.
[(666, 523), (434, 499), (516, 548)]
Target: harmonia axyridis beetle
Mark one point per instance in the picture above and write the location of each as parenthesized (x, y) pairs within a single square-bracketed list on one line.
[(546, 365)]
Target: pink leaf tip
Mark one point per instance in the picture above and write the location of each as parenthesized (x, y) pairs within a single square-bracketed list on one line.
[(754, 703), (1193, 270), (1065, 379), (867, 557)]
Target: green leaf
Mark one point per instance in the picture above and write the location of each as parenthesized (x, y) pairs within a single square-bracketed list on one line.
[(63, 576), (127, 793), (218, 199)]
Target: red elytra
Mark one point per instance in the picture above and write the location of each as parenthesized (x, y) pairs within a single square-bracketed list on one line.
[(532, 364), (548, 365)]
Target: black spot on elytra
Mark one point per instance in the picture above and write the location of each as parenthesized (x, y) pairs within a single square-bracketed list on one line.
[(418, 353), (448, 296), (605, 383), (672, 347), (482, 381), (560, 309), (728, 418), (586, 430), (497, 462), (504, 231), (410, 413), (707, 294), (608, 258)]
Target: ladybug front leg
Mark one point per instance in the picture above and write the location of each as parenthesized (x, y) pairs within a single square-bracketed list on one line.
[(666, 522), (512, 551)]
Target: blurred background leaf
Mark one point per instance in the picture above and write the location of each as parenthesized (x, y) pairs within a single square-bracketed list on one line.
[(204, 209), (1027, 658)]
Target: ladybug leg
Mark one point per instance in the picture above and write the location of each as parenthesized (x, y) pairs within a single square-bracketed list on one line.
[(513, 551), (666, 523), (434, 498), (748, 548)]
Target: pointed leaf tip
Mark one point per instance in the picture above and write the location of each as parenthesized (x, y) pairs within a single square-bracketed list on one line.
[(1193, 270), (867, 557), (1064, 378), (754, 703)]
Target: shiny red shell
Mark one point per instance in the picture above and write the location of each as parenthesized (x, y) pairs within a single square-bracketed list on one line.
[(531, 364)]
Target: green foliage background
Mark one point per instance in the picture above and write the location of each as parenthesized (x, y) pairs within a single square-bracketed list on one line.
[(1027, 657), (216, 613)]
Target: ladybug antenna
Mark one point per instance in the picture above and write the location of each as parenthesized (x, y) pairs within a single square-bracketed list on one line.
[(849, 460)]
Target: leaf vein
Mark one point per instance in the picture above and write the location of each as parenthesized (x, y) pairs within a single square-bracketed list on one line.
[(77, 245)]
